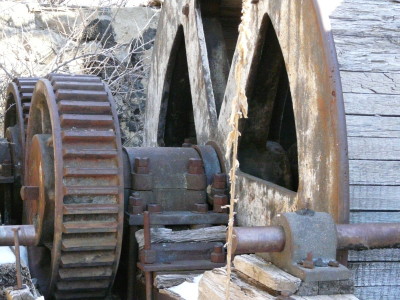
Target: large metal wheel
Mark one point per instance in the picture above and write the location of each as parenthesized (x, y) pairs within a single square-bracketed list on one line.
[(293, 148), (19, 93), (73, 191)]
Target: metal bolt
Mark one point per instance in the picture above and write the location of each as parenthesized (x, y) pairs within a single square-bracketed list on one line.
[(220, 200), (254, 1), (141, 165), (195, 166), (136, 209), (201, 208), (17, 258), (136, 201), (219, 181), (185, 10), (30, 193), (333, 263), (154, 208), (308, 263), (187, 143), (218, 255)]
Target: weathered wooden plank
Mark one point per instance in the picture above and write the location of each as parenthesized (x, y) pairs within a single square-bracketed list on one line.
[(368, 54), (266, 273), (363, 18), (167, 280), (378, 292), (370, 83), (376, 273), (370, 197), (374, 148), (167, 235), (374, 217), (375, 255), (373, 126), (372, 104), (212, 286), (370, 172)]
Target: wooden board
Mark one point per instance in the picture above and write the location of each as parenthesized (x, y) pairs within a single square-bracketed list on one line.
[(367, 37), (378, 292), (266, 273), (372, 197)]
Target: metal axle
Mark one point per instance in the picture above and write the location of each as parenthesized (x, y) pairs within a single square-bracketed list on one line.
[(26, 235), (349, 236)]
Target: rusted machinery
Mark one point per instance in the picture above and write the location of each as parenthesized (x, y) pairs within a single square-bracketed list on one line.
[(78, 185)]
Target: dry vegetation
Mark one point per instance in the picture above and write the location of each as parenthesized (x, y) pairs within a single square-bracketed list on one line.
[(60, 36)]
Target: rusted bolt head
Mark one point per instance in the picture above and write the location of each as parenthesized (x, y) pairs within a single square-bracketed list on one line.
[(217, 249), (141, 165), (333, 263), (220, 200), (136, 209), (154, 208), (218, 209), (219, 181), (141, 162), (201, 207), (218, 257), (136, 201), (185, 10), (30, 193), (195, 166)]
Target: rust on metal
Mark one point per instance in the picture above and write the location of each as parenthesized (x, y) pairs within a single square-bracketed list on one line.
[(258, 239), (30, 193), (17, 257), (368, 236), (26, 235), (74, 136), (349, 236)]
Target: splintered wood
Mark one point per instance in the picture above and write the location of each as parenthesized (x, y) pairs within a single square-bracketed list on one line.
[(266, 273), (212, 286), (166, 235)]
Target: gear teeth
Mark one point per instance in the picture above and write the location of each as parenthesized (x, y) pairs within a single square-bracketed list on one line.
[(92, 188)]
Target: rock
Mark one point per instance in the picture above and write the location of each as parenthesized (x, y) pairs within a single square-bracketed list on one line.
[(100, 30)]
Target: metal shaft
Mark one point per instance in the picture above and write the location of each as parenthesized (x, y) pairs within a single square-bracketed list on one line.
[(17, 258), (258, 239), (350, 237), (26, 235), (368, 236)]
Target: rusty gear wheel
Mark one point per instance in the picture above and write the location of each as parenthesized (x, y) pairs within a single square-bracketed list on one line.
[(74, 187), (19, 93), (293, 148)]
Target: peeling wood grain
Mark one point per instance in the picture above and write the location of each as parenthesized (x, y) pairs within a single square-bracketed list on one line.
[(368, 54), (370, 83), (266, 273), (374, 217), (372, 197), (372, 104)]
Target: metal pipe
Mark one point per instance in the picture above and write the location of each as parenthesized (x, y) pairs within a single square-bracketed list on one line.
[(349, 236), (368, 236), (17, 258), (26, 235), (258, 239)]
